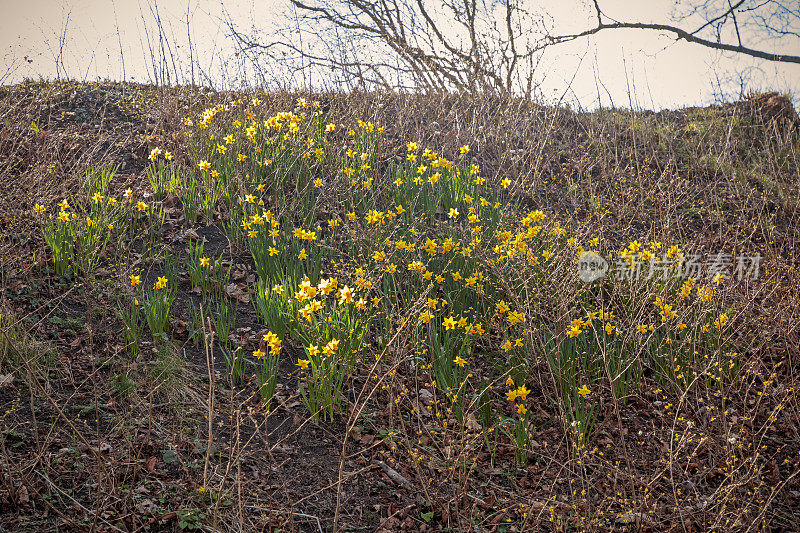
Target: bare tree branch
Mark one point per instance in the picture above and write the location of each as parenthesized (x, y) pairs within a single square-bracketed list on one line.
[(475, 46), (717, 22), (487, 46)]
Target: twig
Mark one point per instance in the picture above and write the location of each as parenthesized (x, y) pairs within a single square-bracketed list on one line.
[(303, 515), (395, 476), (209, 345)]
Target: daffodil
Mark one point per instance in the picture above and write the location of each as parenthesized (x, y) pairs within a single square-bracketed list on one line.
[(522, 392), (425, 317), (346, 295), (331, 347)]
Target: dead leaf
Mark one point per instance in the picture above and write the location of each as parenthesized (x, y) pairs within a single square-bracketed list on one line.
[(183, 236), (150, 465), (22, 495), (472, 422), (6, 380), (238, 291)]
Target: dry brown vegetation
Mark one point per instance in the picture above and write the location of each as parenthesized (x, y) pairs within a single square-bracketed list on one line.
[(93, 439)]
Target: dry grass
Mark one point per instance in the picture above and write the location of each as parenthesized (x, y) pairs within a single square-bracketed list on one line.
[(96, 438)]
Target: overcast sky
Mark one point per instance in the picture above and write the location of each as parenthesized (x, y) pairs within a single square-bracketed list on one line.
[(106, 38)]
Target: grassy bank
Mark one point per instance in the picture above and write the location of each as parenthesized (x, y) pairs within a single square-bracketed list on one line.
[(365, 311)]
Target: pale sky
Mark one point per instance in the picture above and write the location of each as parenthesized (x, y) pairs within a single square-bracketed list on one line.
[(636, 67)]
